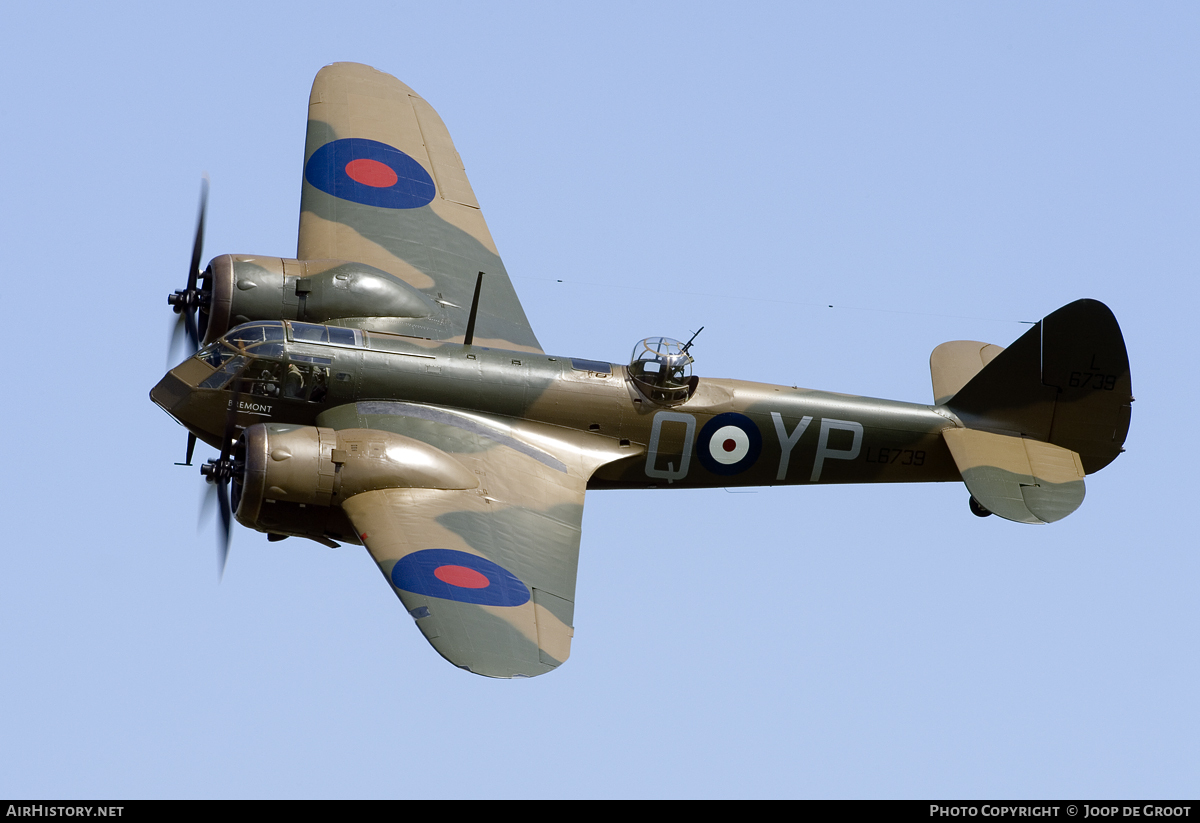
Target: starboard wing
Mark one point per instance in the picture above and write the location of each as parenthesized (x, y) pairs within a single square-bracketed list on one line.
[(383, 185), (487, 573)]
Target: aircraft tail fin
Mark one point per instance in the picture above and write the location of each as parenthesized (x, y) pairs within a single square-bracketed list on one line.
[(1039, 414)]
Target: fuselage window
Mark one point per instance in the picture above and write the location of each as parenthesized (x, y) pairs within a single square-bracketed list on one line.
[(306, 381), (263, 377), (580, 364)]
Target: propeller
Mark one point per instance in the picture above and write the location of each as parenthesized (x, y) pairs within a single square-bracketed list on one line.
[(219, 472), (189, 301), (186, 303)]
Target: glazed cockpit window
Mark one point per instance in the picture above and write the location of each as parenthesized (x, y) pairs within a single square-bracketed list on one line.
[(215, 355), (662, 370), (661, 362), (222, 375), (251, 334), (311, 333), (271, 348)]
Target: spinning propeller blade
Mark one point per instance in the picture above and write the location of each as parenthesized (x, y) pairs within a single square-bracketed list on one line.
[(188, 301), (220, 471)]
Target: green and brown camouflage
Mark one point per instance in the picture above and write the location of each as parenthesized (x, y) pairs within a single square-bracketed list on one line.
[(437, 248), (463, 466)]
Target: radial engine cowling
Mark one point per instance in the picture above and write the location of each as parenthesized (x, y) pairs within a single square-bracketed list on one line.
[(246, 288), (296, 477)]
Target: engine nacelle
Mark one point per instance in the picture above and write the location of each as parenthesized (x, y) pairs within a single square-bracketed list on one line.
[(296, 477), (246, 288)]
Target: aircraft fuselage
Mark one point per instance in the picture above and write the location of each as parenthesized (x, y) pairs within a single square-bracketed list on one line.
[(728, 432)]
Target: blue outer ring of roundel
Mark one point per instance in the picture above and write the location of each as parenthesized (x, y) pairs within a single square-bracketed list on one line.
[(326, 170), (415, 573), (704, 441)]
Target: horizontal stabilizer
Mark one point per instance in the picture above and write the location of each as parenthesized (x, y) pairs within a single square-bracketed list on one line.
[(1019, 479), (953, 364)]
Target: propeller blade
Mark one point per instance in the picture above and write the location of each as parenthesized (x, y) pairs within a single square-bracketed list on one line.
[(177, 333), (206, 504), (225, 535), (224, 475), (198, 245), (187, 302), (193, 335), (220, 472), (217, 491)]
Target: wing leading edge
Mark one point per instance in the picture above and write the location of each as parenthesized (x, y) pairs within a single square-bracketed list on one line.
[(383, 185)]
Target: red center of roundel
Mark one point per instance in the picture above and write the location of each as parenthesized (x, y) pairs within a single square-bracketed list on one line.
[(461, 576), (371, 173), (729, 445)]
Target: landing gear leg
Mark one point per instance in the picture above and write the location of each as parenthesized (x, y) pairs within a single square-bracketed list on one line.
[(977, 509)]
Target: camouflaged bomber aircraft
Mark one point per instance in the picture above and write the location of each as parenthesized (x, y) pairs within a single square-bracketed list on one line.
[(380, 390)]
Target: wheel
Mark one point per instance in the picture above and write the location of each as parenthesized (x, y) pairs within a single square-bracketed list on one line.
[(977, 508)]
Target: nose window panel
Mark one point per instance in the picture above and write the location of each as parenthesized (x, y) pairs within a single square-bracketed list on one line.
[(224, 374), (215, 355)]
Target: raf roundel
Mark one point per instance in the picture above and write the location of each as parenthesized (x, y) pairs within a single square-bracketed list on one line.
[(371, 173), (455, 575), (729, 444)]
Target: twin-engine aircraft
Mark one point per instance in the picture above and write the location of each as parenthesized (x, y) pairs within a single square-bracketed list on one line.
[(385, 388)]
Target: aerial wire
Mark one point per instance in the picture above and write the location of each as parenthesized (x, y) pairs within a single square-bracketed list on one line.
[(612, 287)]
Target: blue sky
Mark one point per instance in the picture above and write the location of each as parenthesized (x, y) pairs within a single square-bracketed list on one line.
[(932, 171)]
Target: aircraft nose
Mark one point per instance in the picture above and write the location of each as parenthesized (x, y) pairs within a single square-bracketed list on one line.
[(169, 392), (178, 383), (200, 412)]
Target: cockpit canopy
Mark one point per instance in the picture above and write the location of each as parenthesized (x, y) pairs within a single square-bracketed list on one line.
[(267, 361), (661, 368)]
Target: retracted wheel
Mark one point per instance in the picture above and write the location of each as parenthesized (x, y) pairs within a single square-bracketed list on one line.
[(977, 508)]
